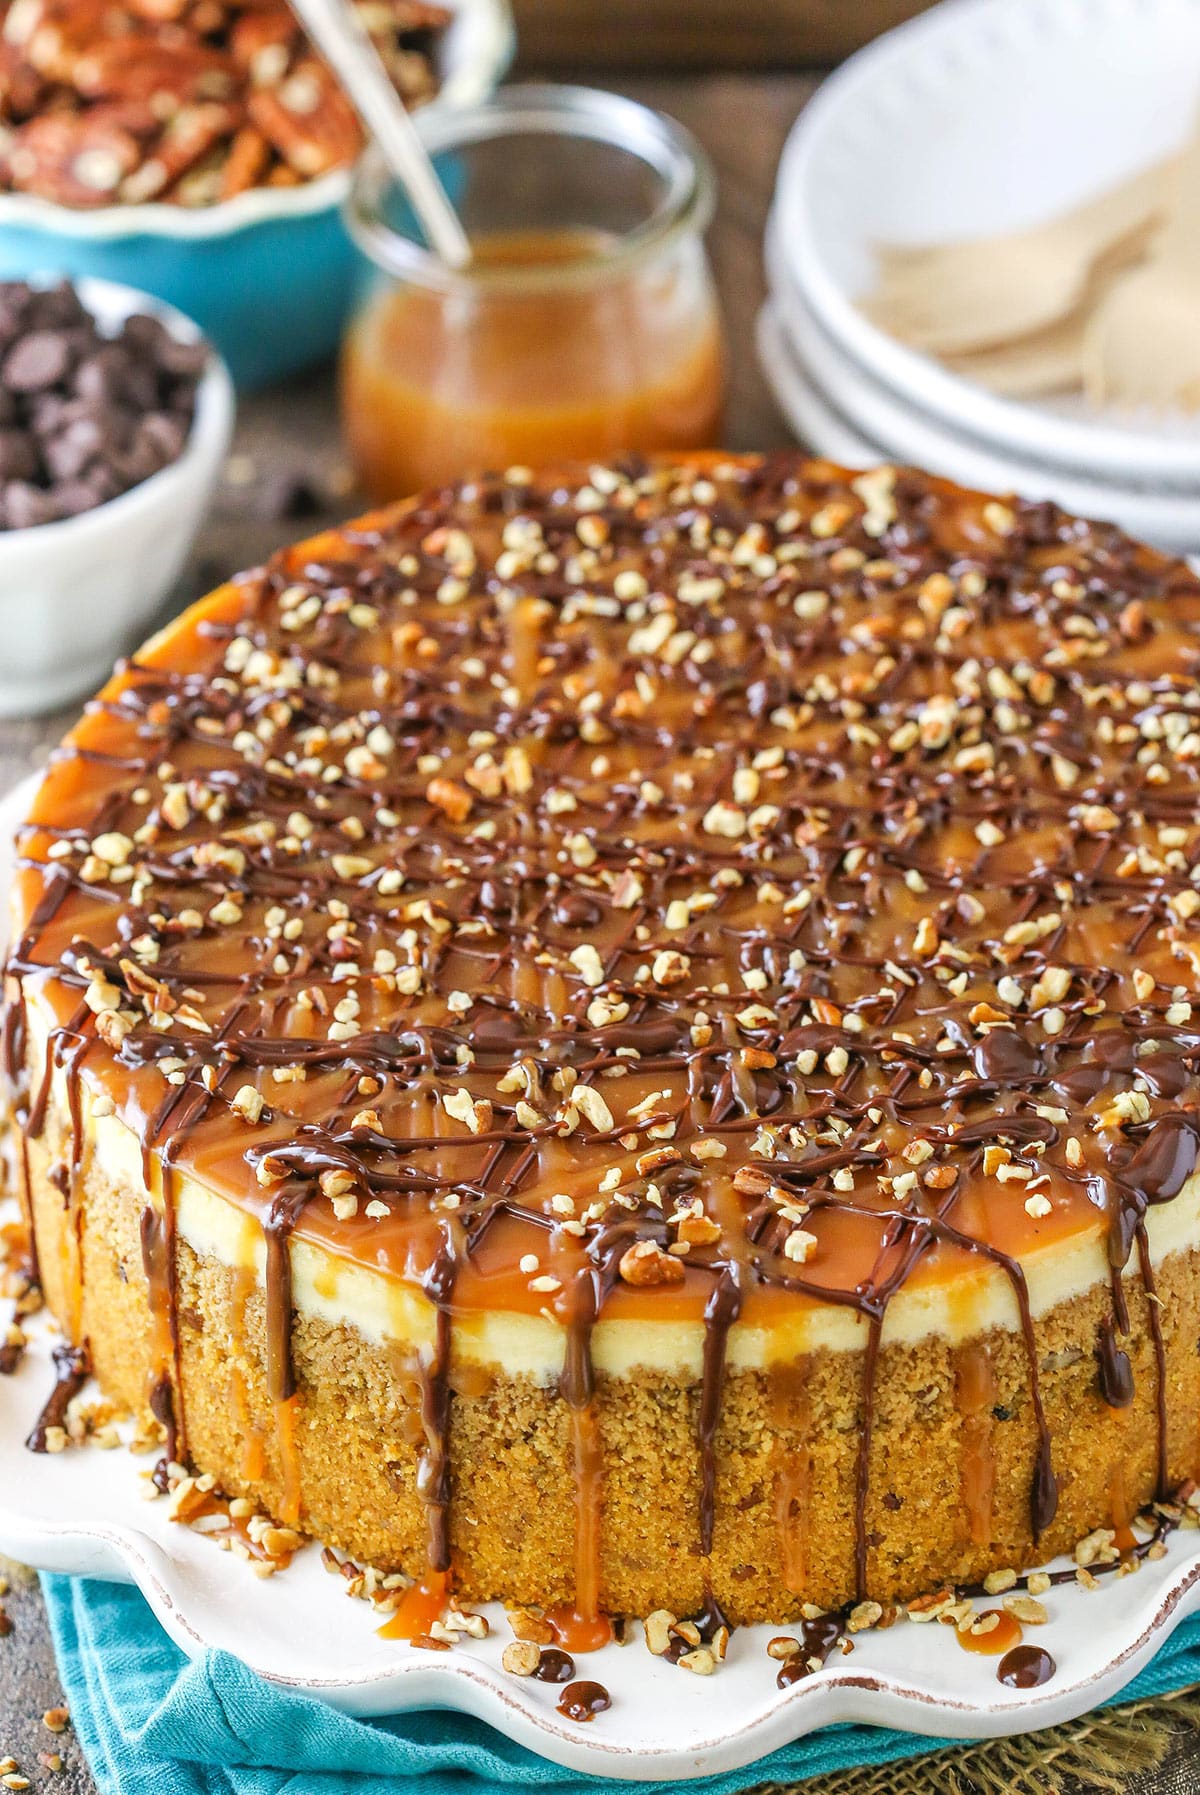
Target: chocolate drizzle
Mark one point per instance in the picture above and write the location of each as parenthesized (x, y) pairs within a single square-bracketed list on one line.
[(71, 1372), (583, 1701), (1025, 1667), (1116, 1373), (433, 1479), (554, 1666), (817, 1639), (720, 1312), (732, 887)]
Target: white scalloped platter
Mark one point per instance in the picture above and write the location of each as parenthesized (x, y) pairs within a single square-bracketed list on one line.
[(82, 1512)]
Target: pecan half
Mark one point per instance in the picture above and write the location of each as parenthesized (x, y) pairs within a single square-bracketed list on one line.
[(308, 120), (77, 159)]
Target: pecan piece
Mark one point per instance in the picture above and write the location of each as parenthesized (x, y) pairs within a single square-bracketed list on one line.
[(263, 43), (74, 159), (645, 1264), (158, 12), (54, 34), (191, 134), (22, 90), (308, 120), (451, 798), (166, 76), (246, 164)]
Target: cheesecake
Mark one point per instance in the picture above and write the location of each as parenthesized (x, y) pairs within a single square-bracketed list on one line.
[(626, 1038)]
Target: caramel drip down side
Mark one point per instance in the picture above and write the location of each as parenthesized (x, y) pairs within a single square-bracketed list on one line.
[(715, 892), (791, 1420), (253, 1459), (976, 1398)]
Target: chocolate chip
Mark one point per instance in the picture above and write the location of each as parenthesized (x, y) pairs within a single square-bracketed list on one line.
[(145, 334), (151, 339), (14, 301), (47, 412), (56, 307), (36, 362), (101, 376), (70, 452), (75, 496), (26, 505), (186, 361), (288, 497), (18, 455), (106, 482), (164, 434)]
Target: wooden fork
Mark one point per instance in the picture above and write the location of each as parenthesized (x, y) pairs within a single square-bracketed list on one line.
[(1142, 345), (957, 298)]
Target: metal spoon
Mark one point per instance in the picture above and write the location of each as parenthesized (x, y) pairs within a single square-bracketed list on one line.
[(336, 30)]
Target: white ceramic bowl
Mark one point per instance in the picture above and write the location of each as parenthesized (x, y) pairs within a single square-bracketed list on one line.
[(840, 414), (984, 116), (75, 595)]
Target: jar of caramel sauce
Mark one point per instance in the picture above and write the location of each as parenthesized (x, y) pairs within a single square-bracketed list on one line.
[(585, 323)]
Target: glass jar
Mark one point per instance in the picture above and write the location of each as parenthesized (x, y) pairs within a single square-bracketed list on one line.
[(586, 323)]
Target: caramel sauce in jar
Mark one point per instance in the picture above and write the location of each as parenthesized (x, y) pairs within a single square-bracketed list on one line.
[(436, 383), (585, 324)]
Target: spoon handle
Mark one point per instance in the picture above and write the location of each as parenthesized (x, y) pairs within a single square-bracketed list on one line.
[(338, 33)]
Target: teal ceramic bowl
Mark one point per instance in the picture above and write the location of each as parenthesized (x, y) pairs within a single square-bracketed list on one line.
[(270, 276)]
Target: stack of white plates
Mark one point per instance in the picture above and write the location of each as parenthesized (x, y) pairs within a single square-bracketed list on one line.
[(980, 117)]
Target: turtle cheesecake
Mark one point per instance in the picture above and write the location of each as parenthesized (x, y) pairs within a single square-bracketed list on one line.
[(625, 1038)]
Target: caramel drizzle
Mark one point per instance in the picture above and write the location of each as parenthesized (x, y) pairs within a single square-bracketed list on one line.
[(908, 1081)]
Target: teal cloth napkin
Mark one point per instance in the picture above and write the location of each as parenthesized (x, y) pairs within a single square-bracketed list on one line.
[(153, 1723)]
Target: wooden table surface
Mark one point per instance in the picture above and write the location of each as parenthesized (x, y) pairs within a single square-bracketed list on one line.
[(742, 120)]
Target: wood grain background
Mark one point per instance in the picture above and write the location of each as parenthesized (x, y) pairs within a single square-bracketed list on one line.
[(699, 34)]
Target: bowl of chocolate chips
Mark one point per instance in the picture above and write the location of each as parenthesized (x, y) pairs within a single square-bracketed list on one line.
[(115, 419)]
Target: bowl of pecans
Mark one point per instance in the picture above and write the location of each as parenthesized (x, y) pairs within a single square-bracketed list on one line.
[(115, 419), (199, 150)]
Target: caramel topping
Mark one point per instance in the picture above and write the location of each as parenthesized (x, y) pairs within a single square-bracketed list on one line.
[(991, 1633), (650, 890)]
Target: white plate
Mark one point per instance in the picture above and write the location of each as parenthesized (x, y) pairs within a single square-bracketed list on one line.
[(810, 415), (809, 372), (985, 116), (81, 1512)]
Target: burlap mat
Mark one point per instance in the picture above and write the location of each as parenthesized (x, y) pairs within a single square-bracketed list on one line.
[(1149, 1747)]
